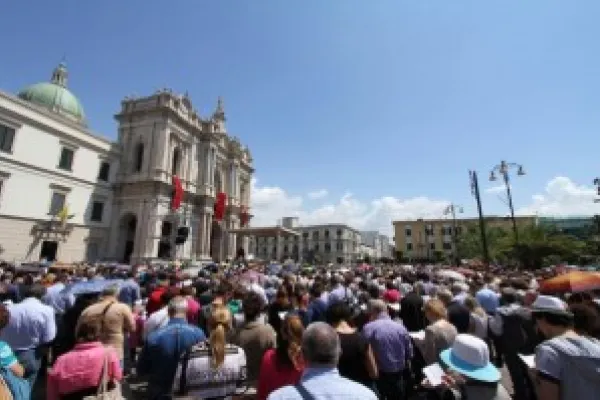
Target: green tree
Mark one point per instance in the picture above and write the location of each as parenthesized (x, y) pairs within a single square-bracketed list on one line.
[(541, 246), (538, 245), (469, 244)]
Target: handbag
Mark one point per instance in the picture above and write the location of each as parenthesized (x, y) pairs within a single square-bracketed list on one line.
[(103, 393), (19, 388)]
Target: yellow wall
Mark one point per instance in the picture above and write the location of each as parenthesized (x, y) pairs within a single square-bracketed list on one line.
[(422, 243)]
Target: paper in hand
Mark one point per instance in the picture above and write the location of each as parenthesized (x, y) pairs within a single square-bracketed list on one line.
[(282, 315), (529, 360), (434, 374)]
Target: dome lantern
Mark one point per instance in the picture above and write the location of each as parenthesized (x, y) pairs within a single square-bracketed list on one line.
[(55, 97), (60, 75)]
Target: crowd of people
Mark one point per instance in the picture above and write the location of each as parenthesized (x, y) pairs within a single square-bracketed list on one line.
[(243, 332)]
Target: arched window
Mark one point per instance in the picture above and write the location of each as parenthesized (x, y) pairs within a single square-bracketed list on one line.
[(138, 157), (176, 161)]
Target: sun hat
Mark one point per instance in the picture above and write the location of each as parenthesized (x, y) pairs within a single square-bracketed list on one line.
[(470, 357), (550, 305)]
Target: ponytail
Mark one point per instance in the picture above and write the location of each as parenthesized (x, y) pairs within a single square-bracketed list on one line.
[(217, 345), (295, 355)]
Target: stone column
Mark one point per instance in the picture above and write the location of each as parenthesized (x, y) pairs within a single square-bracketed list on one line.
[(208, 230), (246, 244), (279, 249), (233, 245)]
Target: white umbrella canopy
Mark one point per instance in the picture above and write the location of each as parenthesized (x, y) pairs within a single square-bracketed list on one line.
[(449, 274)]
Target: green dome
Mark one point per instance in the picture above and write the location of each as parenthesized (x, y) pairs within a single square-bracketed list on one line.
[(55, 96)]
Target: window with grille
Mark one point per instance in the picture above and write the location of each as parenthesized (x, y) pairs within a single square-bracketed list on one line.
[(57, 202)]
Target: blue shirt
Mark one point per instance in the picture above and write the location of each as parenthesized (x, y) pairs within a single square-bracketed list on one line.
[(488, 299), (130, 292), (325, 383), (31, 325), (316, 310), (340, 293), (55, 298), (391, 343), (162, 351)]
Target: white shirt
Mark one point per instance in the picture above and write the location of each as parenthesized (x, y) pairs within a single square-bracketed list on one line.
[(205, 382), (156, 320)]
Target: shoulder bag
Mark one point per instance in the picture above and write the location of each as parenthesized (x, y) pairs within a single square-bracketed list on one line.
[(304, 393), (103, 393)]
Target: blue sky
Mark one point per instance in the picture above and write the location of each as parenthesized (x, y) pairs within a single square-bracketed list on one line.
[(377, 98)]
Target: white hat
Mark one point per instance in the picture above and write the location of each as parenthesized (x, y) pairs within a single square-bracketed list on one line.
[(470, 357), (551, 305)]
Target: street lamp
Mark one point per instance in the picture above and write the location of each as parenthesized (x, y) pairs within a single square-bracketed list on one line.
[(503, 169), (452, 209)]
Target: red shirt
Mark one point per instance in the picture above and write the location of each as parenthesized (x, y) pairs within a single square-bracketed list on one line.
[(273, 375), (154, 300)]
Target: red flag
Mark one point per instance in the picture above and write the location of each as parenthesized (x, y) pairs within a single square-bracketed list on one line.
[(177, 193), (244, 216), (220, 204)]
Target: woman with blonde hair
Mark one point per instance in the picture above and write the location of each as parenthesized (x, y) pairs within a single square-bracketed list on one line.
[(215, 368), (479, 318), (439, 334), (283, 365)]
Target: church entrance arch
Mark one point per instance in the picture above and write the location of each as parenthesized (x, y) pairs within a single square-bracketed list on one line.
[(127, 231)]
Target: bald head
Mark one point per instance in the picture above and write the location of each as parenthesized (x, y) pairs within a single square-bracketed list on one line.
[(321, 345)]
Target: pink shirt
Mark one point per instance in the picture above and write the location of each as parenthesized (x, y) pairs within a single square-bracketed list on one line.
[(81, 368), (193, 311)]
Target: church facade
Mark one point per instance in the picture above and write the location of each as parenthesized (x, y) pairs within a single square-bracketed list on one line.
[(174, 185)]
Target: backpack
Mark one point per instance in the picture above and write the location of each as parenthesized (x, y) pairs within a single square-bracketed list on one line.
[(519, 332)]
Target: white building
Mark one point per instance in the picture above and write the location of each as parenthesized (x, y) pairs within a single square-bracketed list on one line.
[(328, 243), (50, 161), (380, 244), (118, 196)]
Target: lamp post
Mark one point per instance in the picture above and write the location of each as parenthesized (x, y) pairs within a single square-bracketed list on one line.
[(475, 191), (503, 169), (452, 209)]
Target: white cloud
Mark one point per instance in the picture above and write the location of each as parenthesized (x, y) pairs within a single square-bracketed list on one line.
[(561, 197), (318, 194), (269, 204)]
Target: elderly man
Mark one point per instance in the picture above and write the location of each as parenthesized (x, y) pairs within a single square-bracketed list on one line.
[(392, 347), (30, 329), (115, 318), (321, 380), (164, 347)]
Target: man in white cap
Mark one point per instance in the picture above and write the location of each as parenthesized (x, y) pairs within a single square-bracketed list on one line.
[(567, 364)]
